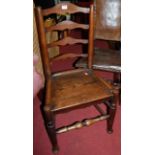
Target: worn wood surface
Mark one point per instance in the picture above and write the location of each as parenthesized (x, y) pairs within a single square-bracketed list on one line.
[(67, 41), (76, 88), (108, 19), (67, 24), (65, 8)]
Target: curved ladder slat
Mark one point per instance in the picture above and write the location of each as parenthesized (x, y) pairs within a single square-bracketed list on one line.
[(67, 25), (66, 41), (64, 8)]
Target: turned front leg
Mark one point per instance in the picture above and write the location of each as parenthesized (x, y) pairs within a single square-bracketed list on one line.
[(51, 129)]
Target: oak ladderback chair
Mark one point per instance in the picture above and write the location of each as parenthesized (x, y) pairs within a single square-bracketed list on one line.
[(78, 88)]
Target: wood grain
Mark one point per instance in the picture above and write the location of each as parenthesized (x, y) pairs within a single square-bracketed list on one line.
[(67, 41), (67, 25), (65, 8)]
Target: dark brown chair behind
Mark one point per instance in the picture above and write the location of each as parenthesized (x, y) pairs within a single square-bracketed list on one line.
[(107, 28), (78, 88)]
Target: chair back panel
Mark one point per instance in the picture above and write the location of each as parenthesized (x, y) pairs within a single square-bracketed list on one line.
[(108, 20), (62, 9)]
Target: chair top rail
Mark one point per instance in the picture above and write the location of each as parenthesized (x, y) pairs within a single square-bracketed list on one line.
[(65, 8)]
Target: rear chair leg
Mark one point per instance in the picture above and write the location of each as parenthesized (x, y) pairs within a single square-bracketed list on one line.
[(117, 80), (112, 111), (51, 129)]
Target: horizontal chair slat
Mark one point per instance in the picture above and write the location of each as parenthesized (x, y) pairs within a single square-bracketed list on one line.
[(64, 8), (67, 25), (67, 41), (68, 55)]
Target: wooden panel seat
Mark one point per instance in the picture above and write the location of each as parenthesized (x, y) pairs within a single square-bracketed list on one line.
[(77, 87)]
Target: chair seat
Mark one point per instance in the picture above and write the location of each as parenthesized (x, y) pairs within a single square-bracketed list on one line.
[(74, 88), (104, 59)]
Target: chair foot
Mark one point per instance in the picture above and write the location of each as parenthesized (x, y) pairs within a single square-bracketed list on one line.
[(112, 111), (110, 131), (55, 150)]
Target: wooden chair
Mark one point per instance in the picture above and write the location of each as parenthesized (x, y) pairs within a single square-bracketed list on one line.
[(107, 27), (78, 88)]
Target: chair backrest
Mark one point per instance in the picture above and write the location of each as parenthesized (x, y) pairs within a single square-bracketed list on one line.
[(64, 8), (108, 19)]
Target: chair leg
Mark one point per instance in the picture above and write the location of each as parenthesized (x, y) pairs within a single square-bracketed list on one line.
[(51, 129), (112, 111), (117, 80)]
